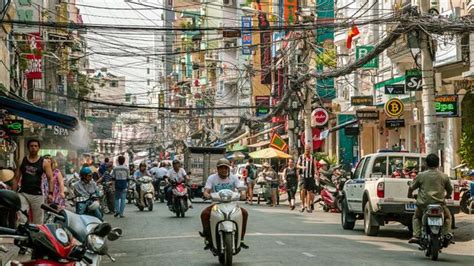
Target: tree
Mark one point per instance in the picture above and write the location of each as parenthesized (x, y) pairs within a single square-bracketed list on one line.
[(467, 140)]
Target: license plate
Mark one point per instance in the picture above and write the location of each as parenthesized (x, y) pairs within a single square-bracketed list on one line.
[(435, 221), (410, 206)]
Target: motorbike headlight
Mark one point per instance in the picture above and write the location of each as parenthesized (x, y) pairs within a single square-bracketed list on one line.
[(226, 195), (96, 243)]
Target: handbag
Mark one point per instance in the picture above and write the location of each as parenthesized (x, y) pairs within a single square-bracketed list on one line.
[(261, 179)]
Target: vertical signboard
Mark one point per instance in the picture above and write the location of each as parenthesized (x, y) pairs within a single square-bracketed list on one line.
[(27, 11), (325, 39), (33, 57), (289, 13), (362, 51), (265, 46), (246, 35), (262, 103)]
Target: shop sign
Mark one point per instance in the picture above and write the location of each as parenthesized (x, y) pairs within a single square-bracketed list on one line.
[(320, 117), (367, 114), (34, 59), (413, 80), (394, 107), (362, 100), (266, 57), (317, 140), (27, 11), (381, 98), (447, 105), (231, 33), (395, 89), (246, 35), (262, 103), (59, 131), (290, 9), (362, 51), (351, 131), (14, 127), (394, 123)]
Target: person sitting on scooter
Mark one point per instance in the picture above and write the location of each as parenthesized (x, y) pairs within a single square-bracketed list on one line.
[(216, 182), (86, 188), (432, 186), (175, 175), (141, 172)]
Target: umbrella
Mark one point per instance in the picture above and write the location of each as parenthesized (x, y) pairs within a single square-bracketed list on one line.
[(269, 153), (236, 156)]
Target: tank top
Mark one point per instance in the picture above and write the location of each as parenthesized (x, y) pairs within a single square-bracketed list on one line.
[(291, 178), (31, 175)]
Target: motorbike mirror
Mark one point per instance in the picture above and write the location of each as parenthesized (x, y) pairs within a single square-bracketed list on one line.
[(114, 234), (10, 200), (102, 229)]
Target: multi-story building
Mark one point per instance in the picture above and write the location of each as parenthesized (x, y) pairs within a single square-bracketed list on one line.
[(5, 45)]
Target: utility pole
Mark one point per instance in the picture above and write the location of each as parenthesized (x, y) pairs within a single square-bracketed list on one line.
[(429, 113)]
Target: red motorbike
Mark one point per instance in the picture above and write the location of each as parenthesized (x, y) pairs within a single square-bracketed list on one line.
[(179, 204), (331, 192)]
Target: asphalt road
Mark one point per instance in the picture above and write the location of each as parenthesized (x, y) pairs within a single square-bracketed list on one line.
[(276, 236)]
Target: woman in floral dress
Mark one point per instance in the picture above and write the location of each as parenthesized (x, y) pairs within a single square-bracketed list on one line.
[(58, 180)]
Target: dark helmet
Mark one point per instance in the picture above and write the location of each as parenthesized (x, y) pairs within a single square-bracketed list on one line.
[(176, 161)]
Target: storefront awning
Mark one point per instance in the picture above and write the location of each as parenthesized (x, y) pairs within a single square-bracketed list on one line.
[(37, 114)]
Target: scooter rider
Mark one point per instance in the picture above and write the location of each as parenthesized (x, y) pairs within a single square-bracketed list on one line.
[(85, 188), (431, 185), (141, 172), (216, 182), (176, 174)]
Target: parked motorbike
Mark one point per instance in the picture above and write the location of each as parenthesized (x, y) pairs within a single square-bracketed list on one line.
[(467, 197), (432, 240), (179, 199), (92, 202), (331, 192), (147, 193), (53, 244), (226, 224), (131, 191)]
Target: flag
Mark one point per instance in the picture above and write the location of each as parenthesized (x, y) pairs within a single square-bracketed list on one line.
[(352, 33), (277, 142)]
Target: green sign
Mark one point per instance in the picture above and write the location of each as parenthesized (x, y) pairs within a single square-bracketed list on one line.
[(362, 51), (14, 127), (447, 105)]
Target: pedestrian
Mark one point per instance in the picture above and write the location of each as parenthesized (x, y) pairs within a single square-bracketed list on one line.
[(28, 178), (291, 176), (272, 178), (251, 176), (103, 166), (109, 190), (120, 175), (307, 167), (59, 197)]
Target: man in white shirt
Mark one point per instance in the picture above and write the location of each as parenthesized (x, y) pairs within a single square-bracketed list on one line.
[(176, 174)]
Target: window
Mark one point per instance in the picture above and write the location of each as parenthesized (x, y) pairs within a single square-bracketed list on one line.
[(380, 166), (114, 84), (358, 170), (148, 59), (365, 167), (394, 163), (148, 82), (412, 162), (148, 70)]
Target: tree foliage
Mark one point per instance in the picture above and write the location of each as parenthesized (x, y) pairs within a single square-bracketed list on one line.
[(467, 140)]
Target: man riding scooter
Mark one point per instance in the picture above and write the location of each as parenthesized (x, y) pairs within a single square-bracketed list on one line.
[(216, 182), (175, 175), (86, 188), (432, 186)]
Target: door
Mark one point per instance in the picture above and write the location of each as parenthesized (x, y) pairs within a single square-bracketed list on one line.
[(351, 186), (359, 187)]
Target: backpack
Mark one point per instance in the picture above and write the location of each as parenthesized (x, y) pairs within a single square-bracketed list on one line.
[(251, 172)]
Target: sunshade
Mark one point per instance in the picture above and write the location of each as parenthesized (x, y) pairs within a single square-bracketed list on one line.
[(269, 153), (37, 114), (236, 156)]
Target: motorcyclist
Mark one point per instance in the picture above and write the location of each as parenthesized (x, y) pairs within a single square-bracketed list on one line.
[(86, 188), (175, 175), (433, 187), (159, 174), (223, 179), (141, 172)]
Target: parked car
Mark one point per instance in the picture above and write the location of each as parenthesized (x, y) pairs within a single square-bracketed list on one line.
[(378, 194)]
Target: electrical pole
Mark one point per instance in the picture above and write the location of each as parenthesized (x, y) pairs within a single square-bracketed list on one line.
[(429, 113)]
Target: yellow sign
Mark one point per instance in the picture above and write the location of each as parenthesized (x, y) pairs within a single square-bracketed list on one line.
[(394, 107)]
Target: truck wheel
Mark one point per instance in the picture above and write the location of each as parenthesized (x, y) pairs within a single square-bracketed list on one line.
[(345, 214), (369, 228)]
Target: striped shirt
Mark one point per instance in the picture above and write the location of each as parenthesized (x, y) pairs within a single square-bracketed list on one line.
[(308, 166)]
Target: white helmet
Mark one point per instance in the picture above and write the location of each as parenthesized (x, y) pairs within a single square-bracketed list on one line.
[(95, 205)]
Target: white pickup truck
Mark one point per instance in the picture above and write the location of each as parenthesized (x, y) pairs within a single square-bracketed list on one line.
[(377, 196)]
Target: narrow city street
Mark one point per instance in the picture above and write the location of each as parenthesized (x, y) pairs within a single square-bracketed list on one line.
[(276, 236)]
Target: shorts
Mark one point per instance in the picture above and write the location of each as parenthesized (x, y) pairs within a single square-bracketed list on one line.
[(309, 184), (251, 181)]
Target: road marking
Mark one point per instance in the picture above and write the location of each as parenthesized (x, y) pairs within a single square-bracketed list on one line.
[(308, 254), (280, 243)]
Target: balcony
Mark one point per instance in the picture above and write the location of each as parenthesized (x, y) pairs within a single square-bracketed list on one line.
[(470, 7)]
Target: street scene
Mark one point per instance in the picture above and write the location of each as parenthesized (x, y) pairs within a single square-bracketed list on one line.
[(236, 132)]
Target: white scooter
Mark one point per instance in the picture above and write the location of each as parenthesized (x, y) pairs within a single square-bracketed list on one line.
[(226, 225), (147, 192)]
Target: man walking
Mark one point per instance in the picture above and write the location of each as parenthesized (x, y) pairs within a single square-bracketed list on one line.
[(307, 167), (120, 175), (28, 178)]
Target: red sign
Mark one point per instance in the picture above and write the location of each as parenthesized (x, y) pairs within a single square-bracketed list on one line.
[(320, 117), (34, 70), (289, 12), (317, 142)]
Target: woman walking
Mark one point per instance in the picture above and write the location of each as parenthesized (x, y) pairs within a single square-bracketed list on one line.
[(291, 177), (272, 178), (59, 198)]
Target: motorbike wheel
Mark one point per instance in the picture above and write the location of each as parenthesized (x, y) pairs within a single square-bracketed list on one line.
[(325, 208), (435, 246), (182, 207), (463, 204), (162, 198), (150, 204), (228, 252)]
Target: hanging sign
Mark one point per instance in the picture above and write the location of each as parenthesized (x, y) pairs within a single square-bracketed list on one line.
[(447, 105), (246, 35), (367, 114), (317, 140), (262, 103), (413, 80), (394, 123), (394, 107), (362, 100), (320, 117), (395, 89)]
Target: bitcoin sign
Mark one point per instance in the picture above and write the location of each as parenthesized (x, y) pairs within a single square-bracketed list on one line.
[(393, 107)]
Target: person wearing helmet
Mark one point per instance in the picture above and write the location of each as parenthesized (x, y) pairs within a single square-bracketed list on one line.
[(86, 188), (409, 169), (223, 179), (175, 175), (139, 173)]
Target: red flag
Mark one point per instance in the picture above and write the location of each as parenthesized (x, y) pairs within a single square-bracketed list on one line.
[(352, 33)]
